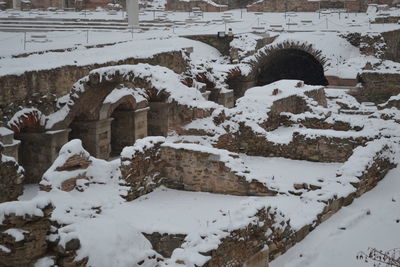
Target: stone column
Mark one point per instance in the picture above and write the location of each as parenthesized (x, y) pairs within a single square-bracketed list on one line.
[(95, 136), (158, 119), (38, 151), (141, 128), (10, 145)]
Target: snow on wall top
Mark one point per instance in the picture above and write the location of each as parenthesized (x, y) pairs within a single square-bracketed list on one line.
[(140, 146)]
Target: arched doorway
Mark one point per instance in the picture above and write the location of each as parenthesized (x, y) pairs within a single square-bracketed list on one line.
[(293, 64)]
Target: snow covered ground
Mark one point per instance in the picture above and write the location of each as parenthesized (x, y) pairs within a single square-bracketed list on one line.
[(337, 241), (204, 217), (241, 22)]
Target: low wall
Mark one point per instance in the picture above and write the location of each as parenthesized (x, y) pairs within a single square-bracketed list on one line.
[(206, 171), (150, 163), (318, 148), (379, 87), (176, 5)]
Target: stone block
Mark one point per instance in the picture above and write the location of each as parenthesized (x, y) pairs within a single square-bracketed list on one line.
[(38, 151)]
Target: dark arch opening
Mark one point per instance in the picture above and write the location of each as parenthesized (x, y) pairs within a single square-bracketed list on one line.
[(293, 64), (122, 128)]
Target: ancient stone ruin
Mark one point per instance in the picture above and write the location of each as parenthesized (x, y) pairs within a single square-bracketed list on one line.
[(170, 162)]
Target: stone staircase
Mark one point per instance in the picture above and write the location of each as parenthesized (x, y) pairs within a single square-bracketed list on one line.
[(13, 24)]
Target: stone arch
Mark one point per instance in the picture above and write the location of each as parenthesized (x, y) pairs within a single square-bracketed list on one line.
[(94, 120), (27, 120), (286, 60)]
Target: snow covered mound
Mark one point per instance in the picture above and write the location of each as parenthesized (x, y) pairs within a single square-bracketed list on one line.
[(74, 168), (259, 106)]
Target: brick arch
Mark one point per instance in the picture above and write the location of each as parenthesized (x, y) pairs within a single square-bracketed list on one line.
[(87, 95), (28, 119), (263, 54), (275, 56)]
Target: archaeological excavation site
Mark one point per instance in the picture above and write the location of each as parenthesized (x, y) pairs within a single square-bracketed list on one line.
[(249, 134)]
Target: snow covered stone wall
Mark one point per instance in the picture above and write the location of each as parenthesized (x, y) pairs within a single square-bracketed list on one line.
[(11, 178), (58, 81), (141, 166), (23, 237), (316, 147), (198, 168), (151, 163)]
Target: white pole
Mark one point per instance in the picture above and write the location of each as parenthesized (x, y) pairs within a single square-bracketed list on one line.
[(132, 9)]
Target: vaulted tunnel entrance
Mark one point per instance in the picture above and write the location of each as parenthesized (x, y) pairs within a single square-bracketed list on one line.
[(293, 64)]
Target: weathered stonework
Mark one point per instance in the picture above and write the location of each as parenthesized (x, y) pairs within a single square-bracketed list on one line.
[(184, 169), (177, 5), (378, 87), (58, 81), (240, 246), (165, 243), (222, 44), (34, 245), (142, 173), (205, 172), (11, 179), (268, 56), (38, 151), (320, 148), (312, 6)]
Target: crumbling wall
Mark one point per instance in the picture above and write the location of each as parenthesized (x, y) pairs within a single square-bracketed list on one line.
[(29, 244), (141, 166), (302, 147), (243, 244), (11, 178)]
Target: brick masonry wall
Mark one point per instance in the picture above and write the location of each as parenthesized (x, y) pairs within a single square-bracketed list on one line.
[(184, 169), (321, 149), (200, 171)]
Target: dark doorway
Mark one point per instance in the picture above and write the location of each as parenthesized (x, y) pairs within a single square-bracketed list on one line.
[(293, 64)]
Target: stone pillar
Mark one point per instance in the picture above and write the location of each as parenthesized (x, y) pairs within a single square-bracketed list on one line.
[(158, 119), (95, 136), (38, 151), (10, 145), (227, 99), (141, 128)]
